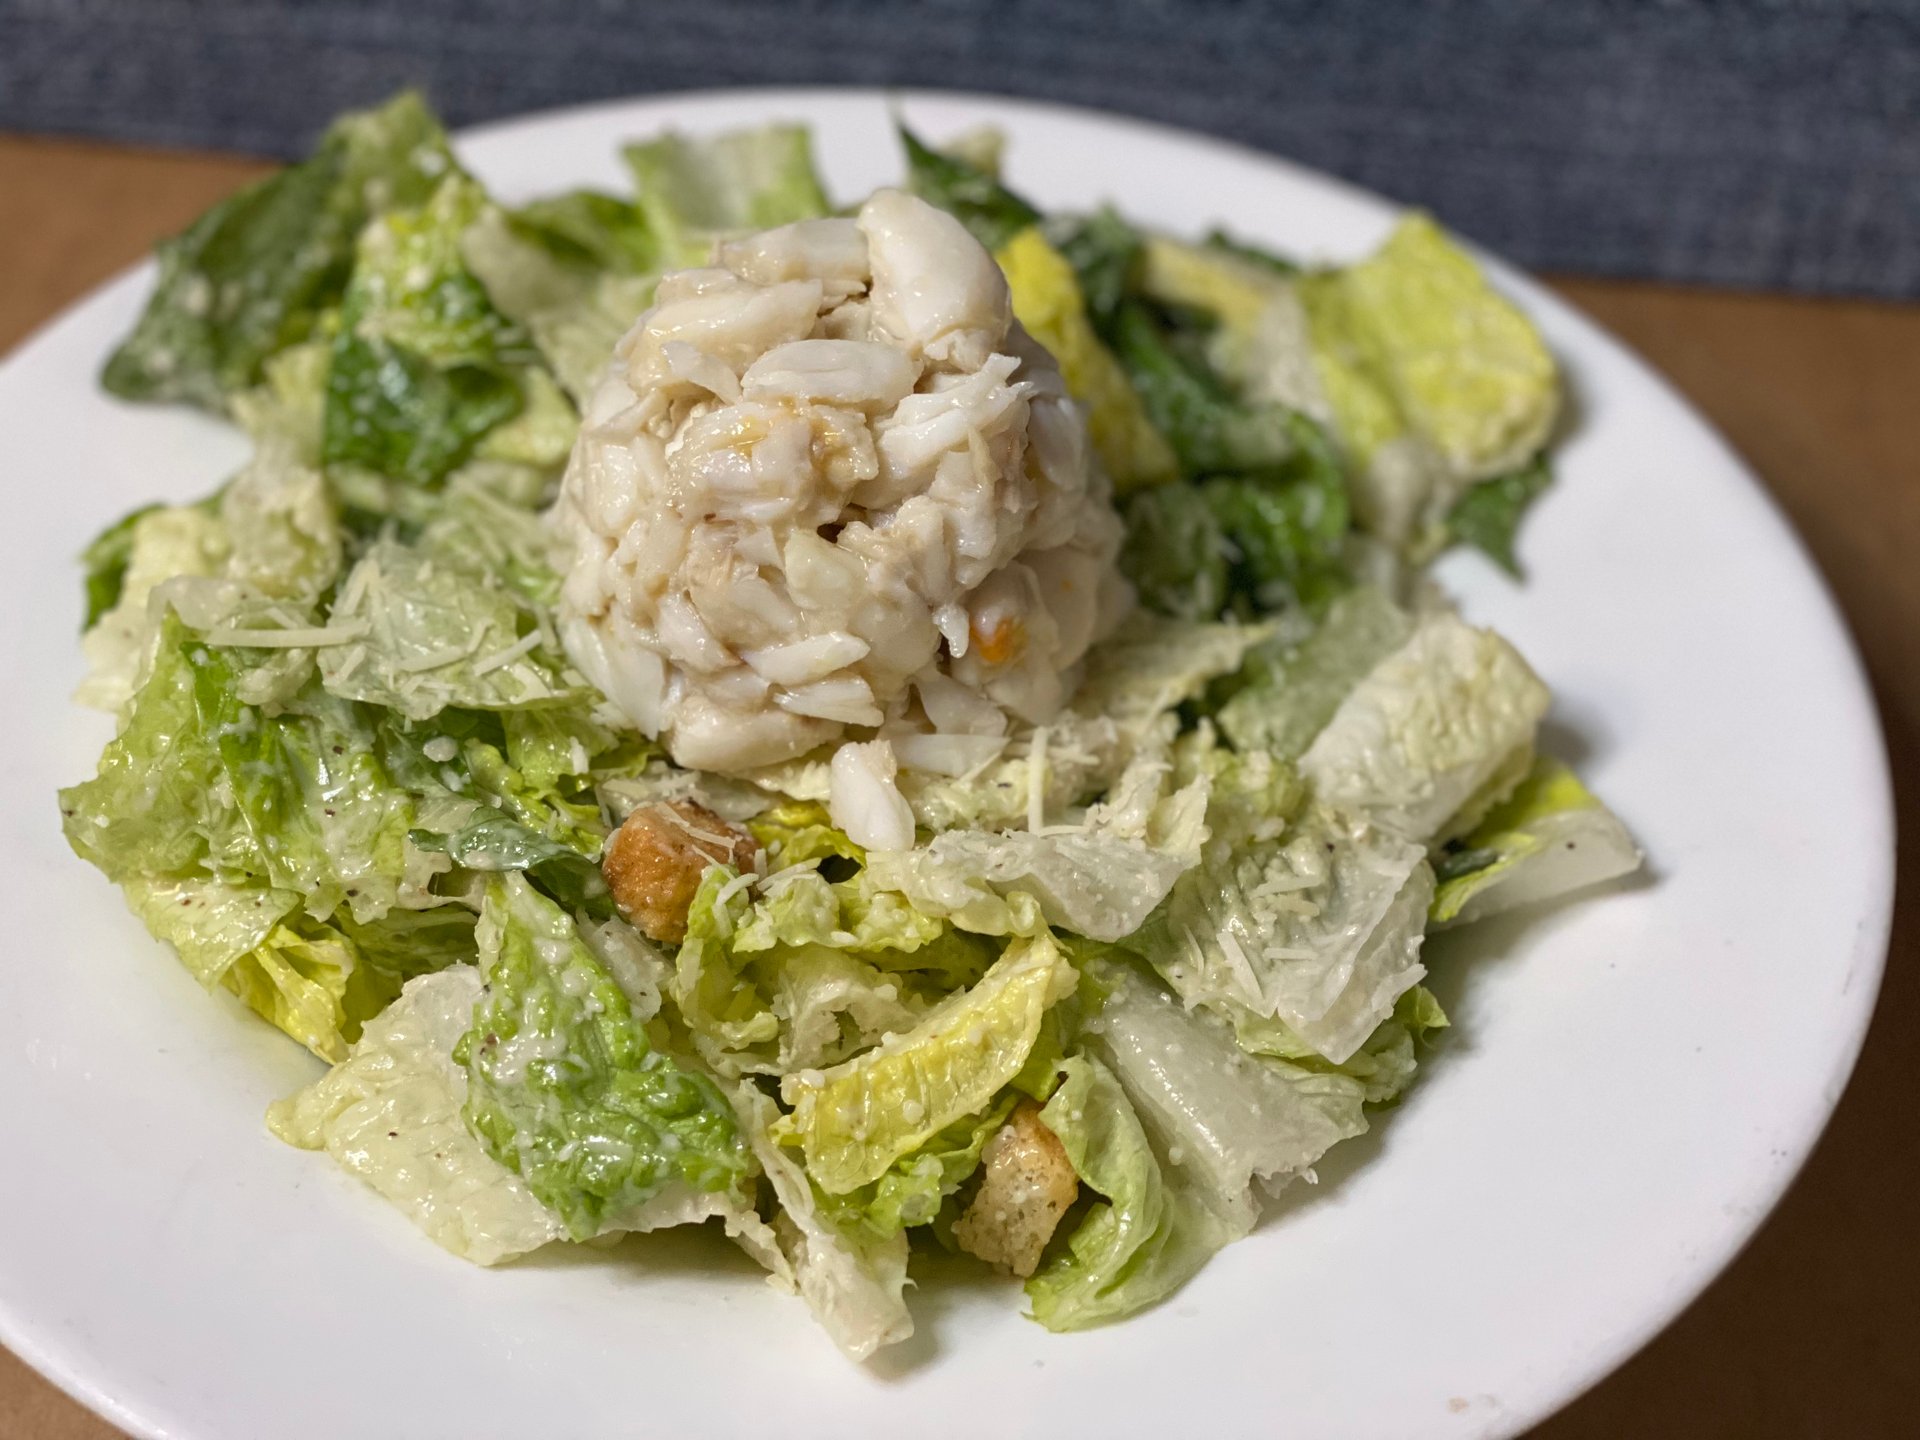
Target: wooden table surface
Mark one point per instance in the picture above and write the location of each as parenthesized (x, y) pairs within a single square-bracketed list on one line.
[(1810, 1332)]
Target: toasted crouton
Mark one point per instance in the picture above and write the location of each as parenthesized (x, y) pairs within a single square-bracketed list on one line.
[(1026, 1184), (655, 860)]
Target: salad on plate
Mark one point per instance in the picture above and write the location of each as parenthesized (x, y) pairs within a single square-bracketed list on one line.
[(902, 726)]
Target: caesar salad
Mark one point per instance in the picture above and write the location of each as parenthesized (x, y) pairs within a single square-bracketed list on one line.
[(888, 727)]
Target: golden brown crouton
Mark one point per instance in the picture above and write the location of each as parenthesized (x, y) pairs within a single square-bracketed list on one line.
[(1026, 1185), (655, 860)]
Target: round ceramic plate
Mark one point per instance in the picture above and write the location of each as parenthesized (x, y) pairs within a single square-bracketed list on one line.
[(1631, 1082)]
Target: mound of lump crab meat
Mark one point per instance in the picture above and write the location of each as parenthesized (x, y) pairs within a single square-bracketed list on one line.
[(829, 491)]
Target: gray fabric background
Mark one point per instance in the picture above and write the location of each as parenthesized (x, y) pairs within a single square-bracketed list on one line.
[(1755, 143)]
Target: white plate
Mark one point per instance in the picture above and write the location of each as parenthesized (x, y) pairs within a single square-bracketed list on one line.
[(1631, 1083)]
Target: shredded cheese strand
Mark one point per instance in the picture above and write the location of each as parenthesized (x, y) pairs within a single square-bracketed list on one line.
[(312, 636)]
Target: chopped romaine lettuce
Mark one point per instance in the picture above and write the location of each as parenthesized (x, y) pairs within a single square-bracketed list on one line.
[(1104, 251), (1176, 554), (575, 308), (255, 273), (1232, 1117), (1321, 929), (1435, 379), (282, 529), (1047, 301), (1133, 683), (421, 633), (590, 229), (805, 973), (105, 561), (1259, 342), (1290, 689), (1488, 515), (1285, 529), (692, 192), (917, 1184), (1219, 239), (162, 543), (973, 195), (424, 364), (1428, 729), (1550, 837), (200, 784), (1152, 665), (1383, 1066), (564, 1087), (799, 832), (855, 1120), (1016, 883), (391, 1114), (1146, 1237), (1464, 365), (853, 1281), (1212, 431)]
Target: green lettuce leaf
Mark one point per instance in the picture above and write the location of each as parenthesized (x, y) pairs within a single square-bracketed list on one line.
[(1153, 665), (1169, 1120), (1227, 244), (312, 982), (1047, 301), (972, 195), (282, 528), (1104, 251), (105, 562), (1232, 1117), (800, 831), (491, 817), (564, 1087), (1285, 529), (198, 782), (159, 544), (1176, 553), (1320, 928), (1017, 883), (489, 536), (574, 300), (1133, 683), (424, 364), (693, 192), (1145, 1237), (590, 229), (257, 554), (1435, 380), (855, 1120), (1550, 837), (809, 909), (853, 1281), (428, 634), (318, 982), (803, 973), (1433, 734), (1259, 341), (1384, 1066), (269, 849), (289, 403), (1291, 688), (391, 1114), (1488, 515), (917, 1185), (1211, 430), (255, 273)]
